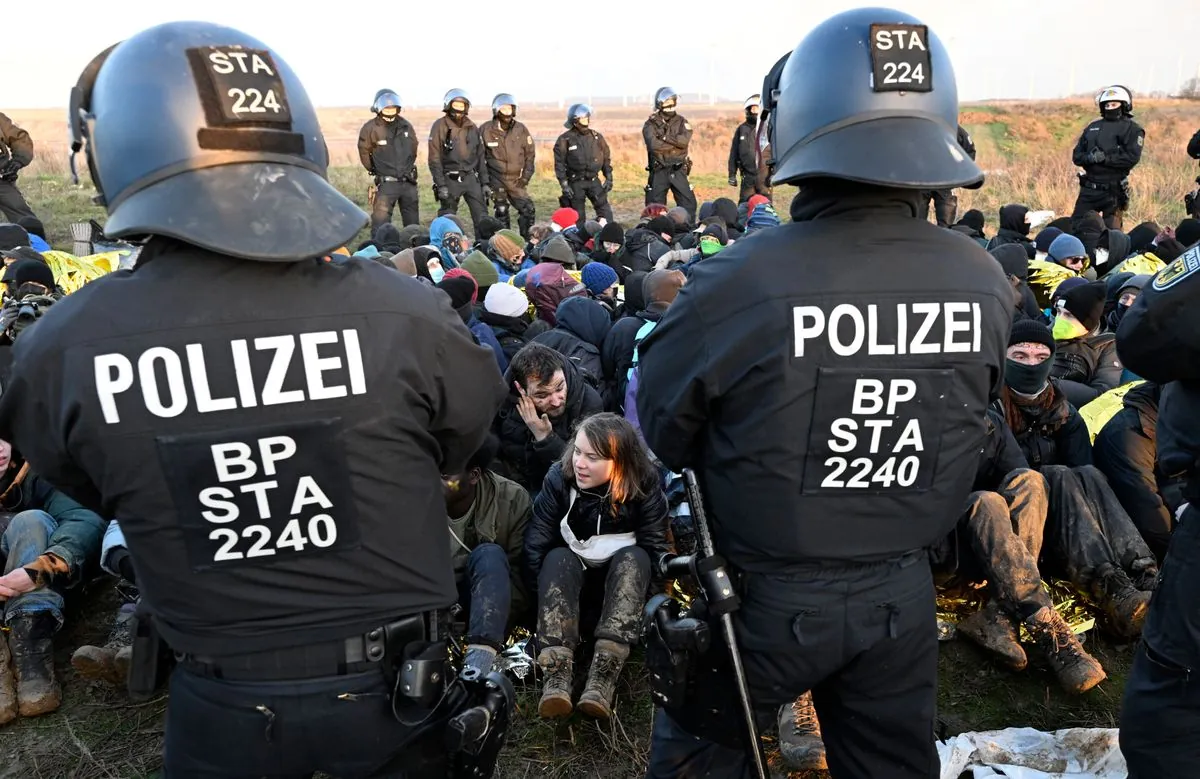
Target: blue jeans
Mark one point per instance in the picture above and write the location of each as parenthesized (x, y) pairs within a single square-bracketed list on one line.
[(27, 537), (486, 591)]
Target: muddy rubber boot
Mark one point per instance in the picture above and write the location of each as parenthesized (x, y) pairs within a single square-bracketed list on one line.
[(994, 630), (33, 660), (480, 657), (1077, 671), (8, 685), (800, 743), (1125, 605), (558, 666), (596, 700)]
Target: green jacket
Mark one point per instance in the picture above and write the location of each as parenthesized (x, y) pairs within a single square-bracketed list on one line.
[(499, 515)]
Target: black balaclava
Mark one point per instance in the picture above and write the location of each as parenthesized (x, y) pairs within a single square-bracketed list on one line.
[(1012, 217), (1029, 379), (1112, 114)]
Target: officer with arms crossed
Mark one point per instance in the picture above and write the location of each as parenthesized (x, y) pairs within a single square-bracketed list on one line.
[(269, 426), (387, 147), (1158, 339), (828, 380)]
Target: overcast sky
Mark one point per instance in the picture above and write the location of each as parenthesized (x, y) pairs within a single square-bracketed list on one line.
[(543, 50)]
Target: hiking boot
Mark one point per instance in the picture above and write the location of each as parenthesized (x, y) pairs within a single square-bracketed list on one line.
[(994, 630), (597, 697), (480, 657), (32, 649), (1125, 605), (102, 663), (8, 685), (1145, 579), (800, 743), (1077, 671), (557, 664)]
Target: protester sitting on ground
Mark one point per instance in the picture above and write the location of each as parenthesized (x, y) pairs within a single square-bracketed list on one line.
[(506, 312), (506, 250), (1016, 268), (1041, 243), (36, 233), (582, 326), (483, 271), (1090, 538), (971, 225), (46, 548), (599, 524), (547, 399), (487, 516), (659, 290), (1014, 228), (1086, 364), (447, 236), (460, 286), (601, 282)]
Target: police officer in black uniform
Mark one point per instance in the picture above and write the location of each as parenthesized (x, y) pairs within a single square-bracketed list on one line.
[(944, 201), (1192, 200), (387, 147), (16, 151), (456, 160), (667, 136), (581, 156), (510, 157), (828, 380), (1160, 716), (269, 426), (1107, 150), (742, 154)]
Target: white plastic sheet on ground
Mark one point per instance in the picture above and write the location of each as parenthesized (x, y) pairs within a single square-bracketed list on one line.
[(1025, 753)]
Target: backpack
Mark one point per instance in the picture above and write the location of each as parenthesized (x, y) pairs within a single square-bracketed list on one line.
[(635, 377), (548, 284)]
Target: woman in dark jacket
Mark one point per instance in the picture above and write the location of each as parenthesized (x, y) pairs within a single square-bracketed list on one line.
[(601, 517)]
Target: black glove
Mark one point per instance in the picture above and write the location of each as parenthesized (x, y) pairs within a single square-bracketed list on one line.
[(608, 184), (1096, 156), (9, 169), (123, 562), (487, 192), (443, 193), (733, 181), (566, 190)]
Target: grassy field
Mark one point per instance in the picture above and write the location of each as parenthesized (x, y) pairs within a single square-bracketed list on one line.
[(1026, 150)]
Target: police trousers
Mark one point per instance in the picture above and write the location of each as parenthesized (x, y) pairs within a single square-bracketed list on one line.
[(340, 725), (511, 193), (591, 189), (388, 195), (1109, 203), (1160, 715), (863, 638), (465, 186), (945, 206), (753, 183), (664, 180), (12, 202)]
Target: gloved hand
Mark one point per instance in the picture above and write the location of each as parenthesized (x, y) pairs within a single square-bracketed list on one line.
[(1096, 156), (608, 185), (487, 192), (733, 181), (443, 193), (9, 169), (566, 190)]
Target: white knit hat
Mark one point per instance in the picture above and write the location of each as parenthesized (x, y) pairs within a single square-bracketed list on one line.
[(505, 300)]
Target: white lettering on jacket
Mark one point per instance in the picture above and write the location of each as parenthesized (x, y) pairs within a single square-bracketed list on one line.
[(851, 329)]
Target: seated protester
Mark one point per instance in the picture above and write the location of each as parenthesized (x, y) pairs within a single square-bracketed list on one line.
[(447, 237), (1086, 364), (649, 212), (1127, 291), (1067, 250), (762, 217), (461, 289), (606, 248), (488, 227), (428, 261), (563, 218), (538, 235), (1125, 451), (1141, 238), (482, 270), (547, 284), (36, 231), (747, 208), (601, 282), (1041, 243), (996, 541), (506, 312), (405, 262), (1089, 535), (643, 247), (681, 223), (110, 663), (1088, 227), (1111, 251), (487, 515), (727, 210), (600, 521), (581, 326), (506, 250), (12, 236), (1014, 228), (659, 290), (46, 547), (547, 398), (1016, 267), (1187, 233), (971, 225)]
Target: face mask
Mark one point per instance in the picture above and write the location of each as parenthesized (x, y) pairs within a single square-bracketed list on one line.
[(1101, 256), (1067, 328), (669, 110), (1028, 379), (583, 121), (1111, 114), (436, 273), (452, 243), (710, 246), (1119, 314), (389, 114)]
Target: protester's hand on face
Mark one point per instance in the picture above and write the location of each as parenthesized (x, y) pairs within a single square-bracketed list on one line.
[(15, 583), (538, 424)]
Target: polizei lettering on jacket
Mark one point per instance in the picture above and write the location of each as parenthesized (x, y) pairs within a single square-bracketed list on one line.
[(171, 381), (889, 329)]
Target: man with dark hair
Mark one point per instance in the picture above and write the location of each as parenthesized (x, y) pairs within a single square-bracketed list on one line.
[(487, 515), (547, 397)]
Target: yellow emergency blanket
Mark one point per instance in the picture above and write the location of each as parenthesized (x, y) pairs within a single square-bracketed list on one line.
[(71, 272), (1142, 263), (1097, 413), (1044, 278)]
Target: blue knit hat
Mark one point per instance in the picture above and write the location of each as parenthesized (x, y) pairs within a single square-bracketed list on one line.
[(598, 277), (1064, 247)]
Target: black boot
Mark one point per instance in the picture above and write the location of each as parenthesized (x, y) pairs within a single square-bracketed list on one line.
[(32, 647)]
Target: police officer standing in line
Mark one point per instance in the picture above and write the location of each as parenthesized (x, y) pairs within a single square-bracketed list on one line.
[(283, 510), (742, 156), (667, 136), (387, 147), (456, 160), (510, 156), (945, 202), (1160, 716), (828, 380), (16, 151), (581, 155), (1108, 149)]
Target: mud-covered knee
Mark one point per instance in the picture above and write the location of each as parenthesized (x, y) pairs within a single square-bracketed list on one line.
[(985, 507), (633, 557), (1025, 480)]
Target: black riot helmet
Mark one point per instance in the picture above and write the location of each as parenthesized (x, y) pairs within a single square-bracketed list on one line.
[(501, 100), (386, 98), (869, 95), (199, 132), (665, 99), (578, 114), (769, 97), (454, 96)]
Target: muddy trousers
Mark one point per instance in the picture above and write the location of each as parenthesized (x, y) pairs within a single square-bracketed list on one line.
[(561, 585), (485, 591), (1087, 528), (863, 638), (997, 536)]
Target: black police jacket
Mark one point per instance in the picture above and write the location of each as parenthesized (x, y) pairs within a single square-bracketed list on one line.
[(271, 436), (829, 378), (456, 148), (1121, 141), (581, 154), (667, 138), (1193, 148), (742, 150), (510, 153), (389, 148)]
